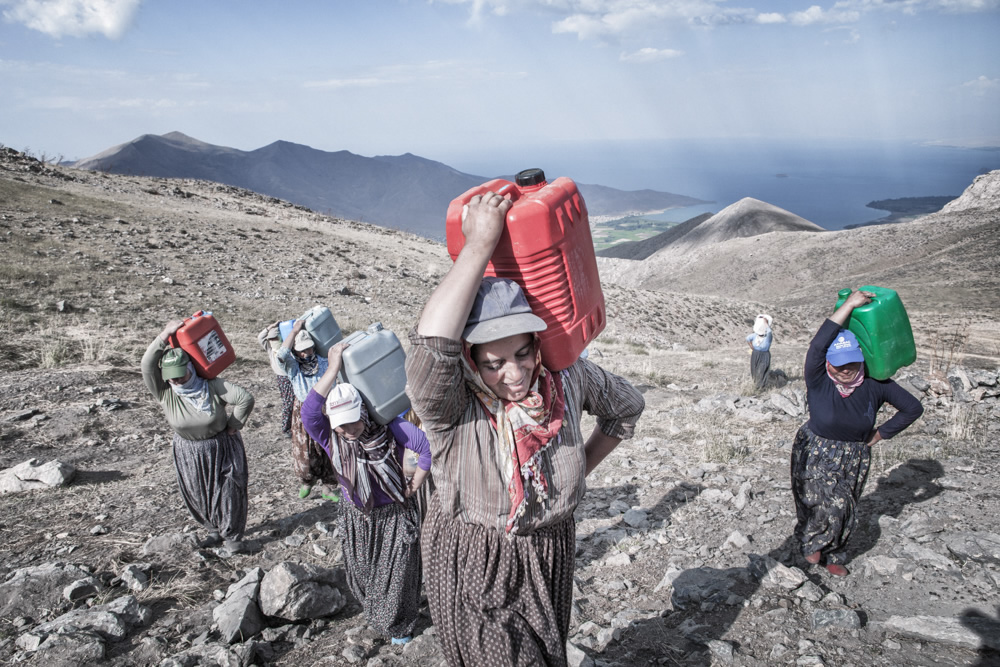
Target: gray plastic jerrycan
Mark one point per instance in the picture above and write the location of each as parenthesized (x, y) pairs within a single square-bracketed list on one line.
[(374, 363), (322, 328)]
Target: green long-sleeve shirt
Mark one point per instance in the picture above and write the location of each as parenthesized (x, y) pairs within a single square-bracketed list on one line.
[(186, 420)]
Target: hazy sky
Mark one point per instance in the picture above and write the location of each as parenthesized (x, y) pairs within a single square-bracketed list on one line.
[(455, 77)]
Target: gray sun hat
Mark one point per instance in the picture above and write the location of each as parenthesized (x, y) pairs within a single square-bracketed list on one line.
[(500, 310)]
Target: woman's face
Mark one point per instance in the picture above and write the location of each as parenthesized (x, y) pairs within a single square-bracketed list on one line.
[(305, 355), (507, 365), (846, 373), (351, 431)]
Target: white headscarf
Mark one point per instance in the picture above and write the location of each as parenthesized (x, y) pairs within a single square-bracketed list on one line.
[(762, 324), (194, 391)]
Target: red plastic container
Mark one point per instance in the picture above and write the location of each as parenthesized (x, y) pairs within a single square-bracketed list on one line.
[(547, 248), (205, 342)]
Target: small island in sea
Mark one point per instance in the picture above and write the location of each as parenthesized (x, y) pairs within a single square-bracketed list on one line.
[(904, 209)]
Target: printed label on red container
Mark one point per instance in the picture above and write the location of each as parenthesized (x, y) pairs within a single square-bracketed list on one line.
[(211, 346)]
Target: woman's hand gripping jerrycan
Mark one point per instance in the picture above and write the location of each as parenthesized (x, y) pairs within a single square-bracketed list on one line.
[(206, 344), (883, 331), (546, 247)]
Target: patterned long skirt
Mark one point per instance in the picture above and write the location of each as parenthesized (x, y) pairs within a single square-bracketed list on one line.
[(382, 559), (499, 601), (309, 460), (212, 475), (760, 363), (287, 400), (828, 478)]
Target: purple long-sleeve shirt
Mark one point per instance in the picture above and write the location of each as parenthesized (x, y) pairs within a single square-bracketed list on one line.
[(406, 434)]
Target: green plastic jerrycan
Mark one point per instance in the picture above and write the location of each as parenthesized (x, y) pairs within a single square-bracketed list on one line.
[(883, 331)]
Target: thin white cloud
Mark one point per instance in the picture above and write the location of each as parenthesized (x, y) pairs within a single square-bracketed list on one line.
[(608, 20), (359, 82), (71, 103), (435, 70), (817, 15), (76, 18), (770, 18), (649, 55), (982, 85)]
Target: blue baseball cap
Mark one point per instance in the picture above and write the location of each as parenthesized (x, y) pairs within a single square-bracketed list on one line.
[(844, 349)]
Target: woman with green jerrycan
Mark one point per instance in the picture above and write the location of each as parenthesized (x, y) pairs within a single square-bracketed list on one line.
[(831, 454)]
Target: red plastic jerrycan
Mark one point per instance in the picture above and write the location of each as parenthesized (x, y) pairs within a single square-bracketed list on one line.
[(546, 247), (202, 338)]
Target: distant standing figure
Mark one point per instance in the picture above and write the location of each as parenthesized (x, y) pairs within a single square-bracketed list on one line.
[(270, 339), (209, 457), (298, 359), (760, 348), (831, 453), (379, 520)]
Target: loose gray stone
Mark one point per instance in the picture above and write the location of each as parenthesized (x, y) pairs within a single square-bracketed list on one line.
[(968, 631), (836, 618), (785, 405), (919, 383), (72, 647), (134, 577), (809, 591), (636, 518), (704, 584), (239, 616), (32, 475), (772, 573), (299, 591), (620, 559), (575, 657), (723, 651), (982, 547), (169, 544), (737, 540), (926, 556), (82, 589)]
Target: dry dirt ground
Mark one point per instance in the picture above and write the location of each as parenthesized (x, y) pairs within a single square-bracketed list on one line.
[(91, 266)]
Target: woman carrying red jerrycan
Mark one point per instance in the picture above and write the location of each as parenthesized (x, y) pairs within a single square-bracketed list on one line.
[(510, 458), (209, 456)]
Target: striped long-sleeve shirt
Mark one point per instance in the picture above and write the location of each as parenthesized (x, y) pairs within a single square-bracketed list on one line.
[(468, 473)]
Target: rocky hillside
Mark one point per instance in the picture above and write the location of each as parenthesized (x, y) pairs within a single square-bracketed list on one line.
[(684, 554)]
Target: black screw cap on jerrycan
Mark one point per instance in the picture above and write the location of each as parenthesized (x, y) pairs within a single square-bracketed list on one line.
[(546, 247), (530, 177)]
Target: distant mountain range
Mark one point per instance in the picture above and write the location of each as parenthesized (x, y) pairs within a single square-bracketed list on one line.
[(405, 192)]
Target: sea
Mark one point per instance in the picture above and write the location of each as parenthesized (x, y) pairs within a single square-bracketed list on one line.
[(827, 182)]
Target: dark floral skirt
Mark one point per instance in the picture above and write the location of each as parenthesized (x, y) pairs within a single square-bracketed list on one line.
[(310, 461), (828, 478)]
